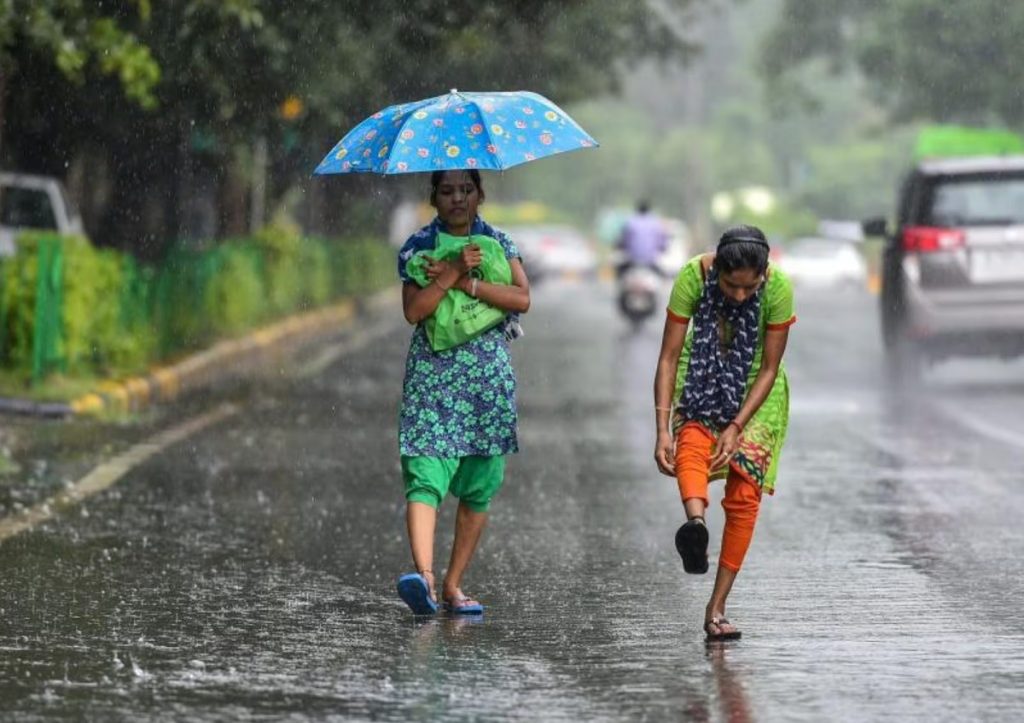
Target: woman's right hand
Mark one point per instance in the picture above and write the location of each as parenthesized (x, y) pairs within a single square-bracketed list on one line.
[(665, 454), (435, 268)]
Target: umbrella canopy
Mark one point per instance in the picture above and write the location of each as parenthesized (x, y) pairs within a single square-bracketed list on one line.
[(488, 131)]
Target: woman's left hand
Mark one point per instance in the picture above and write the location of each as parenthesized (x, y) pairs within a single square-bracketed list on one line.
[(727, 445)]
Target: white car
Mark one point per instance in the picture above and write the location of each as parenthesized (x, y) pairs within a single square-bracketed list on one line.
[(36, 203), (825, 263), (554, 249)]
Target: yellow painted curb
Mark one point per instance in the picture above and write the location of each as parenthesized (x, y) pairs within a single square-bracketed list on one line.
[(87, 404), (166, 383), (263, 337), (116, 392), (138, 392)]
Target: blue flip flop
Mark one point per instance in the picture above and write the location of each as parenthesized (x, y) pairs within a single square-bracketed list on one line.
[(415, 593), (463, 605)]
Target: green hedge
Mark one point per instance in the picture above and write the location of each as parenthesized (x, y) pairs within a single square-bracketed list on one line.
[(92, 331), (18, 279), (117, 317)]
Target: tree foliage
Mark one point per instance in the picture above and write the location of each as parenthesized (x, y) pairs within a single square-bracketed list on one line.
[(152, 89), (78, 36), (932, 58)]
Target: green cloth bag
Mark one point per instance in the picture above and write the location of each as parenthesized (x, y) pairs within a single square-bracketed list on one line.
[(459, 317)]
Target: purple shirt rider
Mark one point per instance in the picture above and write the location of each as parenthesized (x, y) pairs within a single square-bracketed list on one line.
[(643, 239)]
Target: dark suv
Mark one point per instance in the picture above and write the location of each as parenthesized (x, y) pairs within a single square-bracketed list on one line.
[(953, 268)]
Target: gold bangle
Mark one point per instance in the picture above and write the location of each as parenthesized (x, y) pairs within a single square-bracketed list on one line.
[(440, 286), (662, 409)]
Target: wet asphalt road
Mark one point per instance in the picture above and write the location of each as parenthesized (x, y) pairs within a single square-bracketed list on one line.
[(248, 571)]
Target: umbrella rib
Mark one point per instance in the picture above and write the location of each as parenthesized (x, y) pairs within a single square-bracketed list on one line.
[(444, 130), (412, 108), (490, 139)]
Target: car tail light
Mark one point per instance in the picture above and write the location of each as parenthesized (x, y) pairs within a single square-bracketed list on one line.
[(928, 239)]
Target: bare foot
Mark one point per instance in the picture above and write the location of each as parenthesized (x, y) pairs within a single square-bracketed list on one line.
[(718, 627), (428, 575), (457, 602), (450, 591)]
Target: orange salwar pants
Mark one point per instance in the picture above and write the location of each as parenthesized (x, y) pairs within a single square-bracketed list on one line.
[(694, 446)]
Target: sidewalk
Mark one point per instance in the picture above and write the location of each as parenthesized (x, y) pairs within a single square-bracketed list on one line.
[(230, 358)]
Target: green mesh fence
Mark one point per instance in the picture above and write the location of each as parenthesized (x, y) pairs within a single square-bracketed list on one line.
[(133, 315), (46, 344)]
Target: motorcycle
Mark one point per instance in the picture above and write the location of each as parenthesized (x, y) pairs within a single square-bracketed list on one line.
[(638, 293)]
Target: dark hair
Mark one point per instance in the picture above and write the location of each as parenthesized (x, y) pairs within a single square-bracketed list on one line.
[(643, 206), (436, 176), (742, 247)]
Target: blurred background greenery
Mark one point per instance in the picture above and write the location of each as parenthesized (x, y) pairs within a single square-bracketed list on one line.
[(182, 127), (202, 119)]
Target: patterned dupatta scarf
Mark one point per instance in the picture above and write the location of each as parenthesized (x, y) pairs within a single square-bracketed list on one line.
[(716, 379)]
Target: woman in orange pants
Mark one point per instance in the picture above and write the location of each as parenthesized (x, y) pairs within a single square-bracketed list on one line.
[(721, 399)]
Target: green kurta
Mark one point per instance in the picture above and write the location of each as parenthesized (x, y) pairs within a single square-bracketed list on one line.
[(761, 441)]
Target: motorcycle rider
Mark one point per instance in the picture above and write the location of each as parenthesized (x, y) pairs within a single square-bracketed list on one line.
[(643, 240)]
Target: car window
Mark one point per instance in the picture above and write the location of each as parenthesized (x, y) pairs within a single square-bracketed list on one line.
[(977, 202), (26, 208)]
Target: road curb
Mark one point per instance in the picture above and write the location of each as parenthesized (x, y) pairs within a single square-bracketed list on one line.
[(232, 357)]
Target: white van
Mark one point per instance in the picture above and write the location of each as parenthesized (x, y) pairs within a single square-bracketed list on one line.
[(36, 203)]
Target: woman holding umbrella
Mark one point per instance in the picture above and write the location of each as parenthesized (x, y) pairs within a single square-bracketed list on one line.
[(722, 399), (458, 416)]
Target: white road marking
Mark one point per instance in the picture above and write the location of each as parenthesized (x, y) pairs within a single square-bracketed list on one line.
[(980, 426), (911, 469), (109, 472)]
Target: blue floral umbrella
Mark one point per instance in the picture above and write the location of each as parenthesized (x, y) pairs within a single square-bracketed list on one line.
[(488, 131)]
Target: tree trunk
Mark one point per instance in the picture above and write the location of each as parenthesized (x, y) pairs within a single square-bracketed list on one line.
[(233, 189), (258, 201)]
